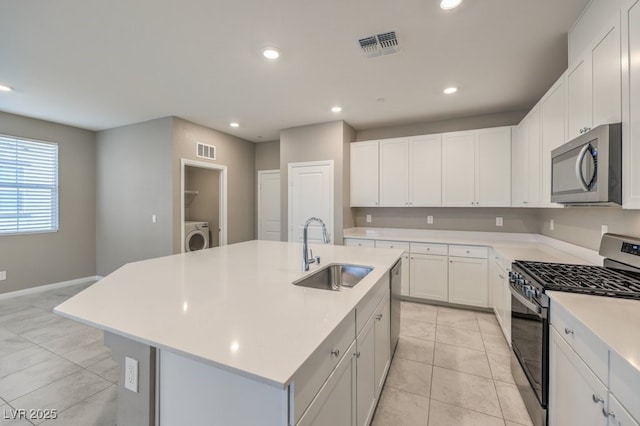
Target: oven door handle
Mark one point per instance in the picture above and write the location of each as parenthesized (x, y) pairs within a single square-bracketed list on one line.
[(527, 303)]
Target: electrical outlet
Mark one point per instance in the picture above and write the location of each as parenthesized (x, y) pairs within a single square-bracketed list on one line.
[(368, 218), (498, 221), (131, 374), (551, 225), (153, 218), (3, 275), (430, 220), (604, 229)]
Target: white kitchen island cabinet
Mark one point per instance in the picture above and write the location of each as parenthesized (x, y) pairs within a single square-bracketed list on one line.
[(237, 342)]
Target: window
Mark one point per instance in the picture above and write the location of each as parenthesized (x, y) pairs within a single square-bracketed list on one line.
[(28, 186)]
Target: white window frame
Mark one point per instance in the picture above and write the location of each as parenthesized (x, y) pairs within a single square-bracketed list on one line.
[(13, 209)]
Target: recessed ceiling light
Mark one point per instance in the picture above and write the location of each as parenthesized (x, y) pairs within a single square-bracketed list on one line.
[(336, 109), (450, 90), (449, 4), (271, 53), (234, 124), (5, 88), (380, 100)]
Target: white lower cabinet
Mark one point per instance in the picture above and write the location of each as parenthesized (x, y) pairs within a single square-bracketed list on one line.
[(468, 281), (335, 403), (617, 415), (429, 277), (406, 275), (501, 296), (576, 395), (382, 329)]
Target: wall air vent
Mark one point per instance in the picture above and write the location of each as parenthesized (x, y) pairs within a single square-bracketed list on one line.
[(205, 151), (379, 44)]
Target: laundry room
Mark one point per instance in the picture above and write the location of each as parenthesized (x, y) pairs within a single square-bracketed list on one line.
[(201, 208)]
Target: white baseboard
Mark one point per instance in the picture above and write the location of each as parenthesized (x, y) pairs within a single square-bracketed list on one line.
[(46, 287)]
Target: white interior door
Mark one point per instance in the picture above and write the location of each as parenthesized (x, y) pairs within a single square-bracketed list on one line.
[(269, 205), (310, 195)]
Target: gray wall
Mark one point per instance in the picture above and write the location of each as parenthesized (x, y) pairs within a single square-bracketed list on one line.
[(239, 157), (205, 207), (133, 182), (466, 123), (36, 259), (459, 219), (581, 225), (315, 142), (268, 155)]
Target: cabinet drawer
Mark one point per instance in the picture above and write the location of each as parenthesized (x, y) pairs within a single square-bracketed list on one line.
[(309, 378), (586, 344), (429, 248), (625, 385), (359, 242), (370, 301), (469, 251), (393, 244)]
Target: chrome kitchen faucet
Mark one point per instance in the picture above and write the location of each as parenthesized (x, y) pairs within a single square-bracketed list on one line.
[(306, 258)]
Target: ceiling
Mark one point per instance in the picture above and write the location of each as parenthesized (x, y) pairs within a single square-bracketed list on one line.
[(101, 64)]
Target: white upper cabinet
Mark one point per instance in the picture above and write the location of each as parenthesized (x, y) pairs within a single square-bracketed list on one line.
[(364, 174), (425, 171), (631, 105), (526, 161), (554, 133), (458, 169), (594, 82), (394, 173), (477, 168)]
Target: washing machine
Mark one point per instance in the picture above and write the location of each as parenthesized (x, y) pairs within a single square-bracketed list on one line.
[(196, 235)]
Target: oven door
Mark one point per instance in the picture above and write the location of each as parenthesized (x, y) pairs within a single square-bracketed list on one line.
[(529, 339)]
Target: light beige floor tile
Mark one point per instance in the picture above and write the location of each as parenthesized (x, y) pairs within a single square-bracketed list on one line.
[(500, 367), (459, 337), (23, 359), (10, 343), (23, 314), (468, 313), (98, 410), (441, 414), (35, 321), (89, 354), (466, 360), (410, 376), (53, 329), (63, 393), (417, 329), (415, 349), (489, 325), (107, 368), (418, 312), (74, 341), (29, 379), (465, 390), (496, 344), (458, 319), (398, 408), (513, 407), (510, 423), (7, 418)]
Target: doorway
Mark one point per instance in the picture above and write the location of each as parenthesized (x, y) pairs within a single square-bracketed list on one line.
[(310, 195), (203, 189), (269, 205)]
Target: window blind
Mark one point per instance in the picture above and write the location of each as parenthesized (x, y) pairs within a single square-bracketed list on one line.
[(28, 186)]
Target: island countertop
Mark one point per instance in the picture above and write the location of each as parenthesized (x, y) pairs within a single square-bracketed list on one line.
[(233, 307)]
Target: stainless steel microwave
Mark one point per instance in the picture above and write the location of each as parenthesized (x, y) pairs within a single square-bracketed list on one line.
[(588, 170)]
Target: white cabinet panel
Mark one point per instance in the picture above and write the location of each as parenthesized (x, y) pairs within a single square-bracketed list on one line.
[(359, 242), (458, 169), (577, 108), (429, 277), (501, 298), (554, 133), (618, 416), (526, 161), (394, 173), (468, 281), (631, 104), (625, 383), (493, 167), (425, 171), (365, 372), (364, 174), (576, 396), (382, 331), (406, 272), (606, 84)]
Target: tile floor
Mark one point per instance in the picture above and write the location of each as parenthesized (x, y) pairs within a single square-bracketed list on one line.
[(452, 367), (50, 362)]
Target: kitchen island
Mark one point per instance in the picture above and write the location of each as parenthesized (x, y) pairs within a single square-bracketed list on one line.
[(231, 340)]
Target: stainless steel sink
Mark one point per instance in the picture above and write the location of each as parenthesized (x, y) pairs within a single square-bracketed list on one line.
[(335, 276)]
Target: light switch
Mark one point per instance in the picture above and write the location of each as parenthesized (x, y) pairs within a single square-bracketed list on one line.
[(368, 218), (430, 220), (153, 218), (498, 221)]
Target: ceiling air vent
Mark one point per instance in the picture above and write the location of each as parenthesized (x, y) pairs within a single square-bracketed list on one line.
[(380, 44), (205, 151)]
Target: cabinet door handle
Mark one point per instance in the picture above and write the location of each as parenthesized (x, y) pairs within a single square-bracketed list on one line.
[(568, 331), (335, 352), (379, 317), (608, 413), (597, 399), (451, 261), (357, 354)]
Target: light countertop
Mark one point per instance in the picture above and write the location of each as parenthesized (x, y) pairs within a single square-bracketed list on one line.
[(234, 307)]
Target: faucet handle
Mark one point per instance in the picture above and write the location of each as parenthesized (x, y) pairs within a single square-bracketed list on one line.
[(316, 260)]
